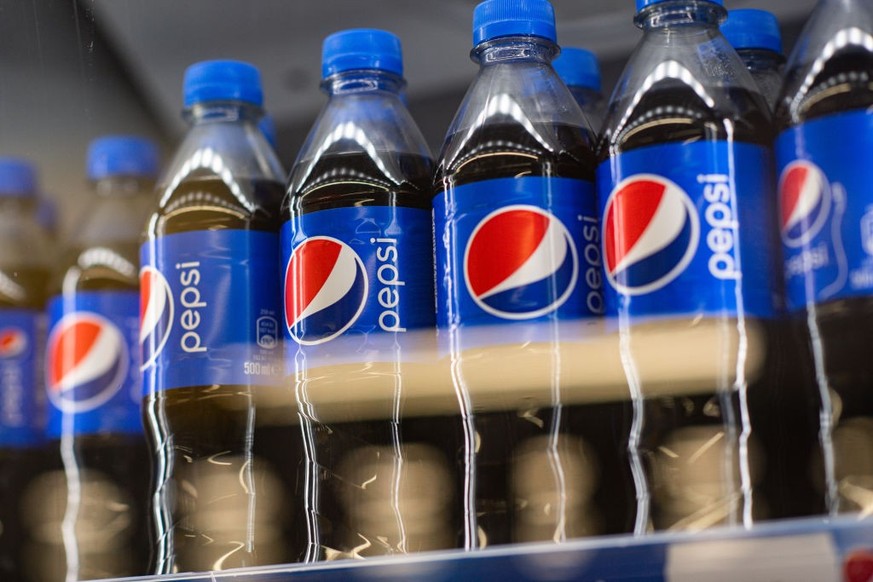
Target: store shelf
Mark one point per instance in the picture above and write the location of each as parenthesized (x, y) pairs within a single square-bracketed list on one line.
[(809, 550)]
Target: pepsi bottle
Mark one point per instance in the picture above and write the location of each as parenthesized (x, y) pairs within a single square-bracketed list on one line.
[(685, 185), (518, 267), (825, 134), (91, 509), (357, 251), (209, 330), (755, 36), (580, 71), (23, 272)]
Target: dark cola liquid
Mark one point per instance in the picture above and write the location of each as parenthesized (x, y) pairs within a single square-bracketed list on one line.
[(221, 496), (383, 486), (783, 404), (23, 288), (845, 326), (516, 448), (355, 179)]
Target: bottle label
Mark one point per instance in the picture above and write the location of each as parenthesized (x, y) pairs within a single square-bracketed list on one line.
[(517, 249), (689, 229), (356, 273), (826, 208), (92, 372), (209, 310), (20, 361)]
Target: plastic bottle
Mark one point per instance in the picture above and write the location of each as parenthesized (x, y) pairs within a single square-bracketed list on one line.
[(210, 329), (518, 265), (825, 127), (23, 274), (91, 508), (685, 189), (755, 36), (579, 69), (357, 249)]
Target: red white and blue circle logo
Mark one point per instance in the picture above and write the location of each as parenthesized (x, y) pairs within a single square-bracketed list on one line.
[(155, 314), (650, 234), (325, 290), (520, 263), (86, 362), (805, 202), (13, 342)]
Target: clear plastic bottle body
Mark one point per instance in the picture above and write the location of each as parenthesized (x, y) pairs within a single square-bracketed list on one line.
[(24, 271), (686, 116), (766, 68), (212, 249), (824, 124), (517, 141), (382, 469), (592, 104)]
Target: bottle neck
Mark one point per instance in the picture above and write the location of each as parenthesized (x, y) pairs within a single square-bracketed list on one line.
[(223, 112), (674, 14), (122, 186), (514, 48), (761, 60), (362, 81)]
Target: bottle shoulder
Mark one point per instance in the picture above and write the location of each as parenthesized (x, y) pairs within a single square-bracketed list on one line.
[(224, 176), (518, 118), (684, 90), (364, 149), (112, 266), (831, 67)]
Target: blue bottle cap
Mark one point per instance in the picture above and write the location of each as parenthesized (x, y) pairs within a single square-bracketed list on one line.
[(578, 68), (496, 18), (222, 81), (268, 128), (645, 3), (753, 29), (122, 155), (361, 49), (17, 178)]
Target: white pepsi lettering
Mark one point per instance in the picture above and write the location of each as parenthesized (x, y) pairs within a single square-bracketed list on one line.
[(192, 301), (388, 276), (593, 262), (721, 238), (809, 260), (13, 395)]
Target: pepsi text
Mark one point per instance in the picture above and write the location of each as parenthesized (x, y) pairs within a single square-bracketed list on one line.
[(190, 299), (388, 276), (209, 309), (682, 230)]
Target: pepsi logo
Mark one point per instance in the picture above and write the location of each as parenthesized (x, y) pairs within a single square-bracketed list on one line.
[(805, 200), (650, 234), (86, 362), (13, 342), (155, 314), (520, 263), (325, 290)]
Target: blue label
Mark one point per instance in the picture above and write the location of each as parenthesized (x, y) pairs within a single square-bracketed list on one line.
[(688, 229), (517, 249), (210, 309), (21, 348), (356, 273), (826, 208), (92, 372)]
